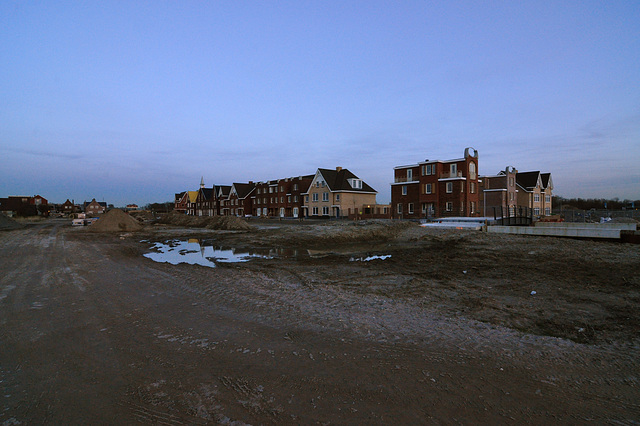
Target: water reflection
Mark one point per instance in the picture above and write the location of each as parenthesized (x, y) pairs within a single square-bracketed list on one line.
[(206, 253)]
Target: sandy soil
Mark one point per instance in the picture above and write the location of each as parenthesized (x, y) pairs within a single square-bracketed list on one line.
[(446, 330)]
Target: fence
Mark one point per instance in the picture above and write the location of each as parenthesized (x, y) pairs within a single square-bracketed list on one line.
[(517, 216)]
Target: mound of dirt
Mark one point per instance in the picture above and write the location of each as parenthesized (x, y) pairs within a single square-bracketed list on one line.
[(115, 220), (6, 223), (231, 223)]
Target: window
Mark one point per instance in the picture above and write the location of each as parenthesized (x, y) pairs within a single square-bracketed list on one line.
[(547, 198), (325, 211), (315, 196), (356, 183), (295, 212), (473, 207), (295, 198), (325, 196), (472, 187), (306, 199), (281, 188), (449, 187), (295, 187), (547, 211), (461, 186), (314, 211), (404, 189), (453, 168), (409, 175), (449, 206), (288, 198), (536, 198), (264, 211), (270, 190), (337, 198), (472, 170), (318, 184), (399, 208), (410, 208), (536, 211), (511, 181), (429, 169), (427, 188), (281, 200)]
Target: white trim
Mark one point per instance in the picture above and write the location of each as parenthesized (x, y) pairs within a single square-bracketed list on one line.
[(405, 183), (453, 178)]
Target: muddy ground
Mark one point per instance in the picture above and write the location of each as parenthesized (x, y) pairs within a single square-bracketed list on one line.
[(447, 330)]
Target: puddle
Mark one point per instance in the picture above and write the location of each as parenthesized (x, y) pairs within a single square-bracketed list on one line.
[(206, 253), (369, 258)]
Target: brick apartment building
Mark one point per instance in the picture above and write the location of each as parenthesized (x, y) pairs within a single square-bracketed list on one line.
[(437, 188)]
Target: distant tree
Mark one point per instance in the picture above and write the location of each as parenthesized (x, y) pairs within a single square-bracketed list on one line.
[(165, 207), (594, 203)]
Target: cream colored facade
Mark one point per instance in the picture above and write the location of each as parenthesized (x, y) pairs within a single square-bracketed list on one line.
[(347, 196)]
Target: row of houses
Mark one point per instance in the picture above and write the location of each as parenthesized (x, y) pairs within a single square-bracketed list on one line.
[(327, 193), (454, 188), (38, 205), (427, 189)]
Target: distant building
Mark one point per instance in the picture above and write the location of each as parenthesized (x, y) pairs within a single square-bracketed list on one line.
[(337, 193), (436, 188), (94, 207), (131, 207), (511, 192)]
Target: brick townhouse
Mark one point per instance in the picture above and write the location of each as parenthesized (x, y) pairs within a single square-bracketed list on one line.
[(327, 193), (510, 191), (281, 198), (437, 188)]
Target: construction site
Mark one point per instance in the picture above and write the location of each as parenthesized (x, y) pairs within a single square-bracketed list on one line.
[(222, 320)]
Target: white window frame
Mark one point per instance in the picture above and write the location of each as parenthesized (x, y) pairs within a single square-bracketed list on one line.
[(428, 188), (449, 206), (399, 208), (325, 211), (409, 175), (449, 187), (410, 208), (315, 197), (453, 169), (325, 196), (404, 189)]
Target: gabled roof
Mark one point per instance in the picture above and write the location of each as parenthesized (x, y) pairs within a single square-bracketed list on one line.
[(223, 190), (178, 197), (338, 180), (528, 180), (546, 180), (193, 196), (207, 193), (243, 189)]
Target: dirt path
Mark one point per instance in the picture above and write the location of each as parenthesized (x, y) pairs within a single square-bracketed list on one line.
[(92, 332)]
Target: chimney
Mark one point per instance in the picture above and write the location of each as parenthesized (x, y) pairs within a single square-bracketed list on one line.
[(338, 169)]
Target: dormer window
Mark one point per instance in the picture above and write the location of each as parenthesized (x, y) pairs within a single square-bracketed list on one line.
[(356, 183)]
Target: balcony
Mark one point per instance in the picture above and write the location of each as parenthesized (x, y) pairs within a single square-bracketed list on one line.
[(403, 180)]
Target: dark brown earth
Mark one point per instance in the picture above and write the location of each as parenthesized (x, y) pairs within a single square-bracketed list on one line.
[(446, 330)]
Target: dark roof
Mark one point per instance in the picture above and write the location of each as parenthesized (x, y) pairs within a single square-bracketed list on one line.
[(337, 180), (545, 179), (224, 188), (179, 195), (207, 193), (244, 189), (527, 180)]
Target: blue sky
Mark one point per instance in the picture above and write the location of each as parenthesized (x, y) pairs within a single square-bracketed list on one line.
[(132, 101)]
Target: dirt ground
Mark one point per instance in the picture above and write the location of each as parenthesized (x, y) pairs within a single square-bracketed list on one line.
[(454, 327)]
